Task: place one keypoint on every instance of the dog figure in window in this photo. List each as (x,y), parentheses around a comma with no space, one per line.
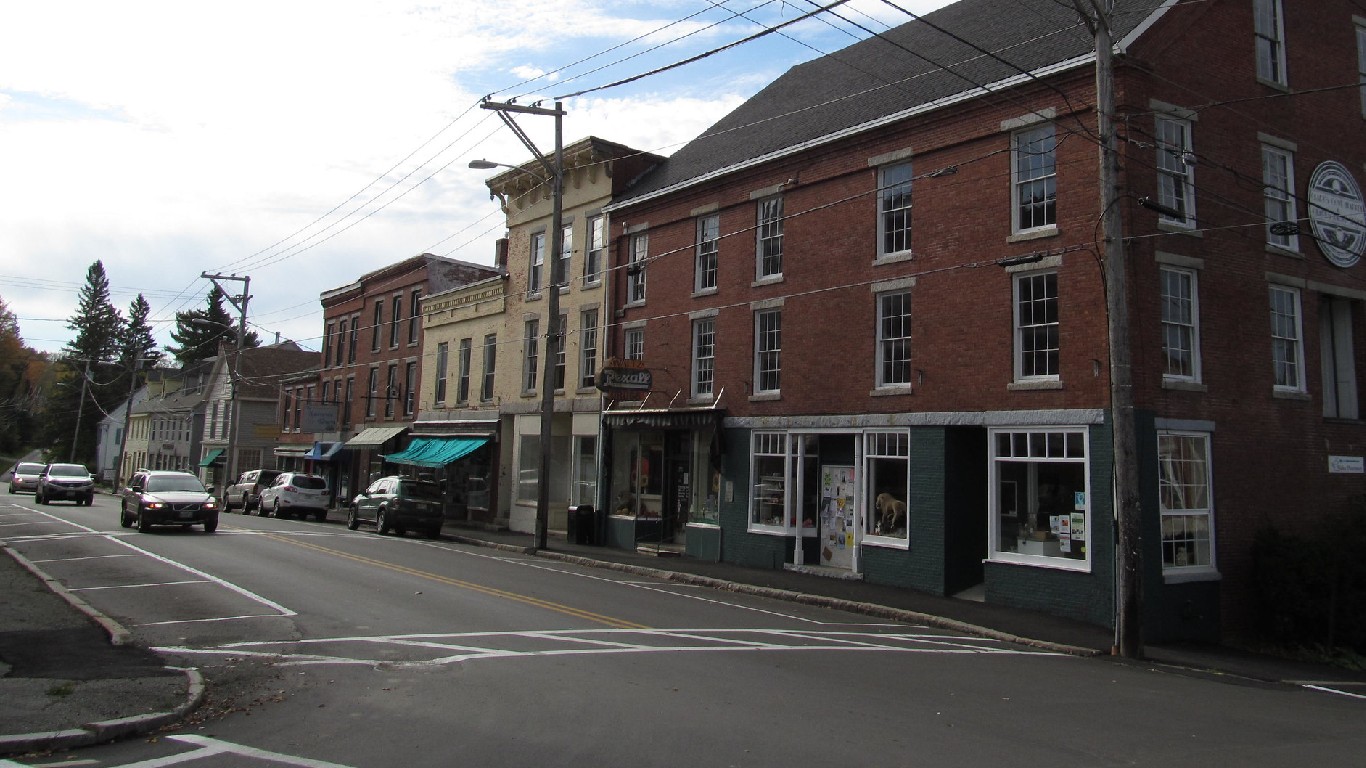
(891,513)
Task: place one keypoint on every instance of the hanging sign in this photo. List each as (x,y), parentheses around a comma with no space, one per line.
(625,378)
(1337,214)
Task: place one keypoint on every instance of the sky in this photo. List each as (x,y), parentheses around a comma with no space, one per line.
(304,143)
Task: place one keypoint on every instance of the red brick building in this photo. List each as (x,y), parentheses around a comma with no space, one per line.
(871,304)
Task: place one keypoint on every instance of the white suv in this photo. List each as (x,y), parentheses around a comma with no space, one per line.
(295,493)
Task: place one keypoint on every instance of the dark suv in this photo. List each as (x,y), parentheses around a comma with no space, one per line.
(246,492)
(398,504)
(71,482)
(167,498)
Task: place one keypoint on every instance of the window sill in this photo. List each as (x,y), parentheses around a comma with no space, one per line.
(1033,234)
(770,280)
(892,391)
(768,530)
(633,304)
(705,292)
(1172,227)
(1290,394)
(761,397)
(1279,250)
(892,258)
(1034,385)
(532,296)
(1189,575)
(1184,385)
(1039,561)
(1282,87)
(706,399)
(887,542)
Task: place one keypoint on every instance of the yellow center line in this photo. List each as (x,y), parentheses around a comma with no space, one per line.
(532,601)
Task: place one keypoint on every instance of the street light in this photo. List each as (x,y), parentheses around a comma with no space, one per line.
(555,172)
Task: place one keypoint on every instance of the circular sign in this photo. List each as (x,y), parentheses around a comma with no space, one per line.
(1337,214)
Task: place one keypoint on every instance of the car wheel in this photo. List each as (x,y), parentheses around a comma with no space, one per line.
(434,532)
(382,521)
(210,523)
(90,500)
(352,518)
(277,512)
(124,520)
(11,489)
(320,515)
(144,525)
(246,508)
(38,497)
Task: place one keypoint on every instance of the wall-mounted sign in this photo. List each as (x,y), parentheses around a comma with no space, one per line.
(318,417)
(625,378)
(1346,465)
(1337,214)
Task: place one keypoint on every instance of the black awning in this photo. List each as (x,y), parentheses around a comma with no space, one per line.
(681,418)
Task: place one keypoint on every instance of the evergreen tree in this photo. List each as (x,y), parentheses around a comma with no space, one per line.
(137,348)
(199,331)
(90,357)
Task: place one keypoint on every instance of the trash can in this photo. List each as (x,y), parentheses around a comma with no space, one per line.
(581,524)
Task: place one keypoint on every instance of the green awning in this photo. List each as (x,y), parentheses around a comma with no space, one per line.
(436,451)
(211,457)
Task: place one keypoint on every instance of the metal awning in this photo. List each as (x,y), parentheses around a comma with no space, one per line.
(436,451)
(323,451)
(211,457)
(291,451)
(374,437)
(662,418)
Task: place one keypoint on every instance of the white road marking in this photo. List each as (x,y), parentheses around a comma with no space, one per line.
(139,586)
(76,559)
(1326,689)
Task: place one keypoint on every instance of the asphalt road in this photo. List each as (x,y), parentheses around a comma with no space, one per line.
(326,647)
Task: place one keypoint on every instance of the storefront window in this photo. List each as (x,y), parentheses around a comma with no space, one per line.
(768,474)
(1184,493)
(585,470)
(706,501)
(1041,501)
(886,457)
(528,468)
(638,474)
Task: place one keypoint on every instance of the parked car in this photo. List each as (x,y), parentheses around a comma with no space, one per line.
(296,493)
(246,492)
(72,482)
(161,497)
(25,477)
(398,504)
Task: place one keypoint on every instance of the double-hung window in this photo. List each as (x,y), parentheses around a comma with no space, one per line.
(561,276)
(894,209)
(346,404)
(409,388)
(708,253)
(355,339)
(395,319)
(377,328)
(894,338)
(1338,358)
(635,271)
(1287,351)
(1036,325)
(462,381)
(341,344)
(1269,34)
(1175,171)
(768,348)
(533,281)
(557,339)
(596,250)
(1185,500)
(328,345)
(490,366)
(703,356)
(1035,178)
(372,392)
(390,390)
(442,352)
(414,318)
(531,341)
(634,344)
(1361,63)
(1180,325)
(769,251)
(588,348)
(1278,190)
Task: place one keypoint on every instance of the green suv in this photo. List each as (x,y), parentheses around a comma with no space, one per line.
(398,504)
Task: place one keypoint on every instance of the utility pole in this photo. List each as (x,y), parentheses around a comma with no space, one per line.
(127,415)
(1129,590)
(239,303)
(554,335)
(80,410)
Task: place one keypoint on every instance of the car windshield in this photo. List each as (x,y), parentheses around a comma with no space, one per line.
(308,482)
(418,490)
(175,483)
(67,470)
(29,469)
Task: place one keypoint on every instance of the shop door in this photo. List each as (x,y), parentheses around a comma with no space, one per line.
(677,498)
(838,521)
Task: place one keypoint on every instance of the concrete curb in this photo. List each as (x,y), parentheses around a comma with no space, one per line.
(866,609)
(118,635)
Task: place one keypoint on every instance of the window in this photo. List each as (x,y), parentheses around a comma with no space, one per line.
(556,338)
(1270,38)
(1035,179)
(327,391)
(768,468)
(894,209)
(298,411)
(597,248)
(635,343)
(390,390)
(409,388)
(768,347)
(703,356)
(708,245)
(1287,354)
(442,352)
(346,404)
(588,348)
(462,386)
(635,271)
(1180,325)
(1176,170)
(530,342)
(355,339)
(1339,360)
(394,320)
(1184,498)
(327,344)
(887,462)
(1041,505)
(1278,187)
(533,281)
(585,470)
(414,318)
(894,339)
(341,344)
(372,392)
(528,468)
(288,408)
(561,276)
(769,254)
(379,323)
(1361,64)
(490,362)
(1036,326)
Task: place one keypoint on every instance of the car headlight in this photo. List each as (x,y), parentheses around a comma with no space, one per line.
(210,504)
(154,505)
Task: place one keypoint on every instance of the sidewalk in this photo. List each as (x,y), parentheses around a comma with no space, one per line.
(70,678)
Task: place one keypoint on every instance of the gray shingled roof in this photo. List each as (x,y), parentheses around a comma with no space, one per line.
(876,78)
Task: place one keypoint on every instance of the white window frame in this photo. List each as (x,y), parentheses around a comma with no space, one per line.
(890,346)
(1269,36)
(633,344)
(442,355)
(1027,329)
(1287,339)
(894,210)
(703,356)
(588,348)
(707,262)
(1176,170)
(531,346)
(536,264)
(768,351)
(596,249)
(1180,319)
(1278,189)
(994,552)
(560,275)
(768,238)
(557,338)
(769,445)
(635,271)
(1025,176)
(1176,508)
(463,367)
(885,445)
(1337,357)
(486,389)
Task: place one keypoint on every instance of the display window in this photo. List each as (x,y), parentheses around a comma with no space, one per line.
(1185,499)
(768,500)
(706,500)
(1040,497)
(886,459)
(638,474)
